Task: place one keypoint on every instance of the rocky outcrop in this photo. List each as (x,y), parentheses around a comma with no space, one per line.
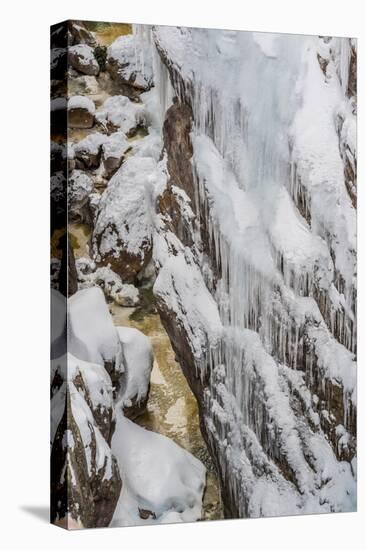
(86,482)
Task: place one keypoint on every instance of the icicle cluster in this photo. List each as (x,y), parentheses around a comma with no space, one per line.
(281,243)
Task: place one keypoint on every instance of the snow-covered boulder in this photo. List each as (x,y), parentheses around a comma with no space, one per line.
(81,58)
(123,294)
(122,232)
(92,336)
(86,481)
(113,150)
(95,147)
(81,111)
(138,354)
(87,152)
(129,61)
(162,483)
(80,185)
(120,113)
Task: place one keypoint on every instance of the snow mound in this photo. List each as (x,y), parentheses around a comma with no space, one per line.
(81,102)
(161,481)
(120,112)
(138,354)
(92,336)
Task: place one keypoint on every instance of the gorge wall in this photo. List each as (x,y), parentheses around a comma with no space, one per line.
(215,170)
(255,249)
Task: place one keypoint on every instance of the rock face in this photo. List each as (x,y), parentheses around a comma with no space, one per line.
(84,469)
(256,262)
(81,58)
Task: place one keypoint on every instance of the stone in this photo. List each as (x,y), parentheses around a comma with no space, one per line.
(81,58)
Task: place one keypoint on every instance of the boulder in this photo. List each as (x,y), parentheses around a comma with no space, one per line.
(81,111)
(113,150)
(132,71)
(89,275)
(86,481)
(120,113)
(81,58)
(79,34)
(122,232)
(80,185)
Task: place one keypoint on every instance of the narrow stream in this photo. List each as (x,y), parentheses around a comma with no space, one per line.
(172,408)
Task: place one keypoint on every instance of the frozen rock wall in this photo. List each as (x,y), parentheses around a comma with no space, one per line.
(255,245)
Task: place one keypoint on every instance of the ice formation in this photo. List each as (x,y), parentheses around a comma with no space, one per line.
(274,247)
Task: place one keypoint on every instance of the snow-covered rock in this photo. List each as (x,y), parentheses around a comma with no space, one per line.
(80,111)
(86,482)
(162,483)
(130,65)
(87,152)
(80,185)
(119,112)
(92,336)
(122,232)
(89,275)
(113,150)
(138,354)
(81,57)
(95,147)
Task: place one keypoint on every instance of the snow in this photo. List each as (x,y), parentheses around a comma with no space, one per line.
(88,276)
(121,112)
(134,62)
(80,185)
(91,334)
(85,55)
(125,207)
(320,167)
(265,138)
(98,385)
(96,380)
(90,145)
(81,102)
(115,146)
(157,475)
(138,354)
(180,283)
